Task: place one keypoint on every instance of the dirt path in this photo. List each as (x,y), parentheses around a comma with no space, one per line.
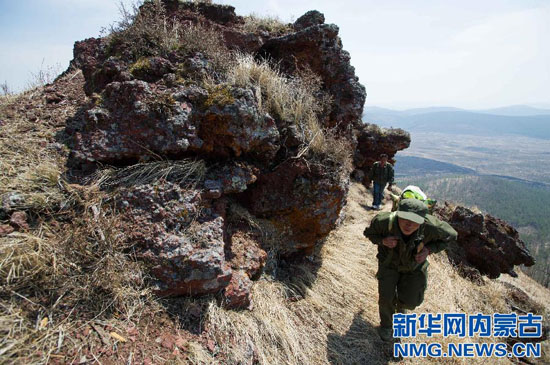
(328,313)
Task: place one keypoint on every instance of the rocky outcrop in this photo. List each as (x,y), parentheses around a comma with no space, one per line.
(180,235)
(485,246)
(309,19)
(372,141)
(177,104)
(317,47)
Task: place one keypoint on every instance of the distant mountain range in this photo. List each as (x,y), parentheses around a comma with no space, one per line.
(418,166)
(513,120)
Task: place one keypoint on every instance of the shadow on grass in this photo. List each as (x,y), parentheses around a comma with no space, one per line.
(359,345)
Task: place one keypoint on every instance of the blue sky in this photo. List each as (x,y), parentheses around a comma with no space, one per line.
(469,54)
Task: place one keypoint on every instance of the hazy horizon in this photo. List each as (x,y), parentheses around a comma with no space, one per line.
(408,54)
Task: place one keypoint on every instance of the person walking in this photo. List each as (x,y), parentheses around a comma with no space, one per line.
(380,174)
(405,238)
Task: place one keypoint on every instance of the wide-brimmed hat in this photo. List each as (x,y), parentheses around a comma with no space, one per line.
(412,210)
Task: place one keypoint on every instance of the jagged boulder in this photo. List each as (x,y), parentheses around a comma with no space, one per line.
(237,293)
(319,49)
(304,200)
(309,19)
(244,251)
(373,141)
(217,13)
(135,119)
(221,18)
(485,244)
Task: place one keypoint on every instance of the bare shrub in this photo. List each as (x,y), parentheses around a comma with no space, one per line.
(45,75)
(5,89)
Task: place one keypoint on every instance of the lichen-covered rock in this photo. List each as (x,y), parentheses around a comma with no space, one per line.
(372,141)
(134,120)
(303,200)
(230,179)
(131,122)
(181,237)
(236,294)
(10,202)
(232,125)
(311,18)
(484,242)
(177,103)
(319,49)
(151,69)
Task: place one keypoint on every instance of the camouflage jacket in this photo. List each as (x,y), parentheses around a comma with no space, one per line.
(434,234)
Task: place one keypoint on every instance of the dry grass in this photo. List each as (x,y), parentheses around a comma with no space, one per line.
(334,321)
(272,24)
(184,172)
(27,168)
(289,99)
(150,32)
(73,265)
(70,274)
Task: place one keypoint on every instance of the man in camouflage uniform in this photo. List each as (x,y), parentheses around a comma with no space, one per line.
(380,174)
(405,238)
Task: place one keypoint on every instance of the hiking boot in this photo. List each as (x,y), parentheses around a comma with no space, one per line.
(385,333)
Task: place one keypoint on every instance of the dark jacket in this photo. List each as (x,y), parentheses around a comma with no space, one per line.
(381,174)
(435,234)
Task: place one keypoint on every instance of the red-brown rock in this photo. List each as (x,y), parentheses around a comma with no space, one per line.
(486,243)
(18,221)
(372,141)
(303,200)
(181,237)
(237,293)
(245,253)
(5,229)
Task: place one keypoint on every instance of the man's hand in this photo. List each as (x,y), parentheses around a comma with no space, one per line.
(421,256)
(390,241)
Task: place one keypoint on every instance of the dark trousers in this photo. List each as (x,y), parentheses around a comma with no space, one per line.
(377,193)
(399,290)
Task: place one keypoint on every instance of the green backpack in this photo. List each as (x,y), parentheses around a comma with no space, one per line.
(412,194)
